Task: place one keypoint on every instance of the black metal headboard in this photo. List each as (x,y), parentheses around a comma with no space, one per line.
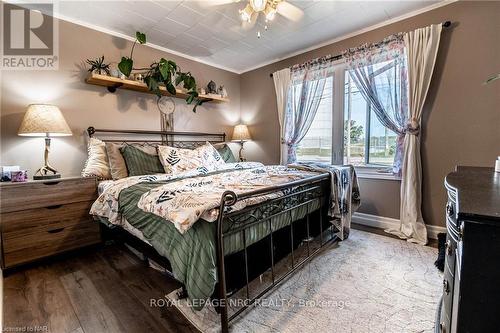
(172,138)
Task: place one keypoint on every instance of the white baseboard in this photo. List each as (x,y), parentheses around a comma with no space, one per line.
(382,222)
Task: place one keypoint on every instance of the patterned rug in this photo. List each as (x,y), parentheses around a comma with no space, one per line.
(367,283)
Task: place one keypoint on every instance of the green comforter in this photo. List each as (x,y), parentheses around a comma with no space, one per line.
(193,254)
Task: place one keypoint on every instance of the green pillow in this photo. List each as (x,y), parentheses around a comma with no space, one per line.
(226,154)
(140,163)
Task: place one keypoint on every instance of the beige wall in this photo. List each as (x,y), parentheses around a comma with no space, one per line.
(461,122)
(461,118)
(84,105)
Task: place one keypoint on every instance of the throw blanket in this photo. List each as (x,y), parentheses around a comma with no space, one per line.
(344,197)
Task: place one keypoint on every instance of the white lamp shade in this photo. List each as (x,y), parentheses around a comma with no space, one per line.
(43,120)
(241,133)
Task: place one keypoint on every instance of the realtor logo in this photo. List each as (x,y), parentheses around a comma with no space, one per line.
(29,36)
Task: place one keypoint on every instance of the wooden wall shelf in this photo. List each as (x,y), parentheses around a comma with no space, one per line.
(112,83)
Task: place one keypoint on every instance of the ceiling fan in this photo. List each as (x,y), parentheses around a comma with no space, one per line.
(268,8)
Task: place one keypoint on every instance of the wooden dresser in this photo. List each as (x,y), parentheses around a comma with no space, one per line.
(43,218)
(471,285)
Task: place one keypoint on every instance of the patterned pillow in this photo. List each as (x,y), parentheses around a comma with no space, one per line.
(139,162)
(176,160)
(97,164)
(226,153)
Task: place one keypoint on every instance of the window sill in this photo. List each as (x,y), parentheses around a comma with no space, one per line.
(373,173)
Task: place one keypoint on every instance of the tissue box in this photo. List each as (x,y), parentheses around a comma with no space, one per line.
(5,172)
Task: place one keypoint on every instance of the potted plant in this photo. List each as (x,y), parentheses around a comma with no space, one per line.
(98,66)
(163,72)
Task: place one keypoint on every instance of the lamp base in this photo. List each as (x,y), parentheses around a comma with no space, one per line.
(46,172)
(46,177)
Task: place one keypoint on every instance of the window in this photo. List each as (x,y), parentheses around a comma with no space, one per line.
(366,141)
(317,144)
(345,128)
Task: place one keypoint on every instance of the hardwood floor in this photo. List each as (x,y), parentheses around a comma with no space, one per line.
(107,290)
(104,290)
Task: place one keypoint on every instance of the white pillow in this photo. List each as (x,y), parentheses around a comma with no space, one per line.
(176,160)
(97,164)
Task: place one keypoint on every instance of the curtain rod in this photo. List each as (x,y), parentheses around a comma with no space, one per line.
(445,24)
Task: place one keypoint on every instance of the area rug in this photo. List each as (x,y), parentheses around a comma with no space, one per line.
(367,283)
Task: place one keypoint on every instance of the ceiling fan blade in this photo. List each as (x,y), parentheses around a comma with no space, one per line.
(289,11)
(248,25)
(213,3)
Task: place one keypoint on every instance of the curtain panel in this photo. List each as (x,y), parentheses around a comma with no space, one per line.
(371,67)
(304,96)
(422,47)
(398,105)
(282,81)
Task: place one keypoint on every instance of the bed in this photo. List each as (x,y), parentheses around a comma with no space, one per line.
(217,231)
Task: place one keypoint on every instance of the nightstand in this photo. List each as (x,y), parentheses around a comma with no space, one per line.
(43,218)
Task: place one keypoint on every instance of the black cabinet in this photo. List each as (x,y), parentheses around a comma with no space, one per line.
(471,280)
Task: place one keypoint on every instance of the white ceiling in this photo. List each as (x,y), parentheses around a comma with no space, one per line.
(213,33)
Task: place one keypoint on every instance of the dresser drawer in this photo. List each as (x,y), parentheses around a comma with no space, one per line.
(449,251)
(32,221)
(448,282)
(34,242)
(36,194)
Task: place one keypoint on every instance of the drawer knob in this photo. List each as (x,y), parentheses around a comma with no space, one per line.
(449,209)
(446,287)
(448,247)
(55,231)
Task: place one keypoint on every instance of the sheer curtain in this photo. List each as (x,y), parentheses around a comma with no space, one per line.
(379,73)
(304,97)
(282,81)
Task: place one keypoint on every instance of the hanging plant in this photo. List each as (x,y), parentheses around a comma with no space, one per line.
(164,72)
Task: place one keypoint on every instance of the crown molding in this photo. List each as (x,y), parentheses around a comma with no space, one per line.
(353,34)
(236,71)
(154,46)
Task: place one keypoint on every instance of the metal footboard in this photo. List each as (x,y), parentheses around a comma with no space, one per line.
(291,196)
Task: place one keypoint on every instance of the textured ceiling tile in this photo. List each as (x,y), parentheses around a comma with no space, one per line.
(185,15)
(214,32)
(170,26)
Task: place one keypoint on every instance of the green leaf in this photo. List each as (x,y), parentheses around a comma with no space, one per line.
(125,66)
(152,83)
(491,79)
(179,78)
(190,99)
(198,102)
(173,65)
(141,37)
(164,69)
(170,88)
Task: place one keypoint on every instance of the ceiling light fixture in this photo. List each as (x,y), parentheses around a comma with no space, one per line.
(246,13)
(258,5)
(270,12)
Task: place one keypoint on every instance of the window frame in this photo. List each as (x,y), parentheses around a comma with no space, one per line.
(372,171)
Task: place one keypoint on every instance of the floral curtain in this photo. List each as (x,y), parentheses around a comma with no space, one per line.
(379,72)
(304,97)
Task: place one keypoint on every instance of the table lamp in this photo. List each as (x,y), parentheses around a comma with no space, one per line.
(47,121)
(241,134)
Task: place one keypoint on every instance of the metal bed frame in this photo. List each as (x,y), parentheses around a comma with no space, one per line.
(292,195)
